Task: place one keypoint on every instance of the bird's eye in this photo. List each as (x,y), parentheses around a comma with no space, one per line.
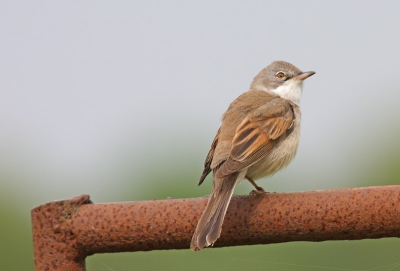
(280,75)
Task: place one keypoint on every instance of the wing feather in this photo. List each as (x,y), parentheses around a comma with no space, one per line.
(209,158)
(257,135)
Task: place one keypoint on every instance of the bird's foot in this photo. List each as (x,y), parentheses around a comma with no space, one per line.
(259,191)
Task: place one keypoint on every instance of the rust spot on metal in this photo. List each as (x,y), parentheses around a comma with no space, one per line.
(54,241)
(65,232)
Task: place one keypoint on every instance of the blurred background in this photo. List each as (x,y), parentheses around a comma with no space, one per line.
(121,100)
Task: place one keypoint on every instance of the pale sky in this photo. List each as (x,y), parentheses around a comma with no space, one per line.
(90,89)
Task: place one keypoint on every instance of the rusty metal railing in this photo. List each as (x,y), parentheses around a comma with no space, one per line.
(66,232)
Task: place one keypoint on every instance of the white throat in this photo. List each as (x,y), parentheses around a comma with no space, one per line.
(291,90)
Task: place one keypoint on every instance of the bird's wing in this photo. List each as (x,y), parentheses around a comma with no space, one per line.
(209,158)
(257,135)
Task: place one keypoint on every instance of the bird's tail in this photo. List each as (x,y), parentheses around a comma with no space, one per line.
(209,226)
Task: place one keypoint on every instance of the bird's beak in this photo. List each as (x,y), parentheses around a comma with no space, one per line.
(303,76)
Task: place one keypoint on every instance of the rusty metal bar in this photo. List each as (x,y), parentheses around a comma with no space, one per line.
(65,232)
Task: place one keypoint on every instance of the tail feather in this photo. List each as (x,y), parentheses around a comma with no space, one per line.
(209,226)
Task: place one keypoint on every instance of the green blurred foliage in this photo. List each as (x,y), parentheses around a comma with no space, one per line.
(179,181)
(333,255)
(16,252)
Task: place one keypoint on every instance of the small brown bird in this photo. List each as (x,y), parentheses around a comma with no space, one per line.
(259,136)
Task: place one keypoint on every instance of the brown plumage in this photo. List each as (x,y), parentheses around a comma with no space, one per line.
(258,136)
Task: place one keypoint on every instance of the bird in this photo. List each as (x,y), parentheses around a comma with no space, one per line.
(259,136)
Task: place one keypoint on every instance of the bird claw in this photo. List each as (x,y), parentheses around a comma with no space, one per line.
(258,192)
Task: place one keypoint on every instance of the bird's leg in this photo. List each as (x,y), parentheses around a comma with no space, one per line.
(259,190)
